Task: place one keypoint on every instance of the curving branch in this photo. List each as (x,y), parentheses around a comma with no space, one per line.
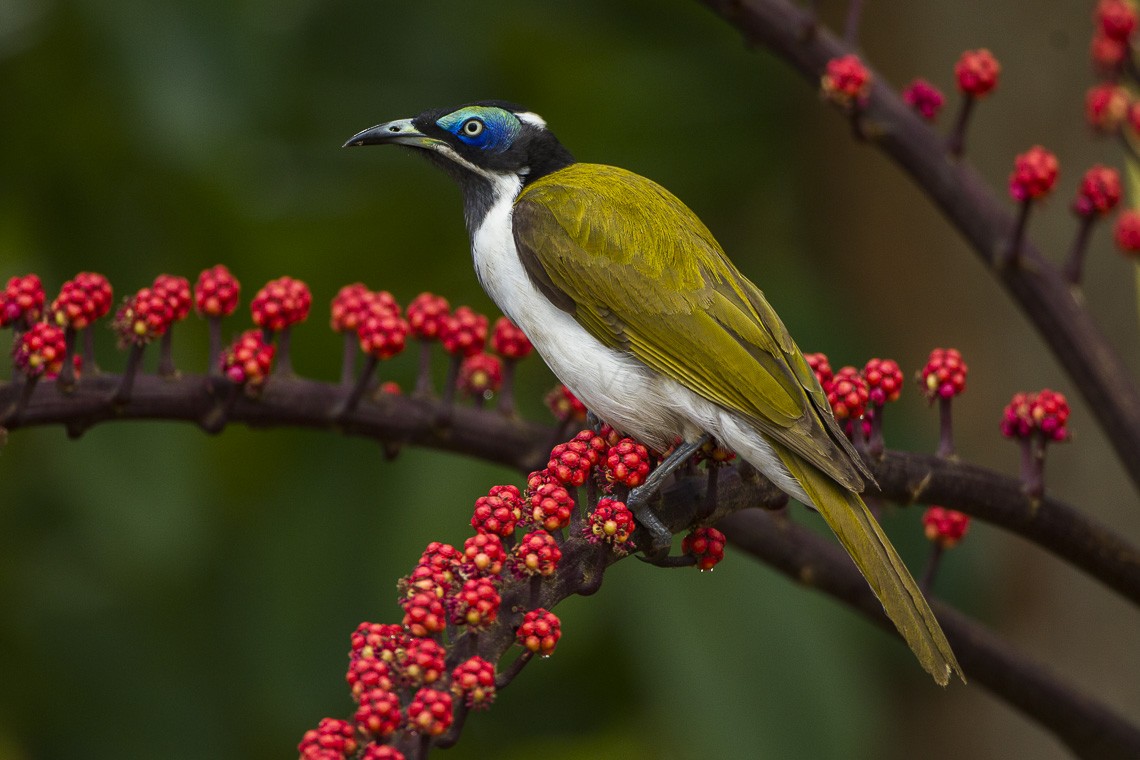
(1089,728)
(986,223)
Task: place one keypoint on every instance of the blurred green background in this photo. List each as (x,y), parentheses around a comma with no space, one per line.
(166,594)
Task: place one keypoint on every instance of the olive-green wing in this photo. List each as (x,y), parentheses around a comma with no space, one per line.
(641,273)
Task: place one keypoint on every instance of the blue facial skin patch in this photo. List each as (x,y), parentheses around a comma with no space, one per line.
(499,127)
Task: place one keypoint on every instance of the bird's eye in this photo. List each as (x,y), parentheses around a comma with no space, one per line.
(472,127)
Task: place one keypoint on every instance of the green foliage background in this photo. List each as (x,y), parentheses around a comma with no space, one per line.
(165,594)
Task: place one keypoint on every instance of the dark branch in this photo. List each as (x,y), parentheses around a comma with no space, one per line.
(1089,728)
(971,206)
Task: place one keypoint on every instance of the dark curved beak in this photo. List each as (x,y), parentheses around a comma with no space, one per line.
(399,132)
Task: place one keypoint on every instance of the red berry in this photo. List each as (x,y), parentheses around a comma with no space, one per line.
(464,332)
(216,292)
(22,301)
(430,712)
(428,579)
(1107,54)
(281,303)
(846,81)
(1050,412)
(421,662)
(1116,19)
(367,673)
(537,554)
(1106,107)
(944,375)
(382,334)
(976,72)
(349,307)
(706,545)
(481,375)
(424,614)
(81,301)
(1099,192)
(484,554)
(473,681)
(884,379)
(924,98)
(945,527)
(143,317)
(628,463)
(379,713)
(1034,174)
(40,351)
(565,405)
(509,341)
(498,512)
(539,632)
(549,504)
(381,752)
(248,359)
(848,394)
(822,369)
(332,738)
(426,314)
(611,521)
(477,604)
(443,557)
(176,290)
(1126,233)
(378,640)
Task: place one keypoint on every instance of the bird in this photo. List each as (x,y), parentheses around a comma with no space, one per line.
(636,308)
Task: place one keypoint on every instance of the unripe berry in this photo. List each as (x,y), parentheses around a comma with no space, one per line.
(379,713)
(537,554)
(706,545)
(473,681)
(248,359)
(498,512)
(945,527)
(884,380)
(1034,174)
(944,375)
(40,351)
(281,303)
(484,554)
(846,81)
(1099,192)
(539,632)
(476,605)
(565,405)
(464,332)
(611,521)
(430,712)
(426,315)
(976,72)
(332,738)
(924,98)
(1126,232)
(848,394)
(22,301)
(628,463)
(176,291)
(480,375)
(509,341)
(216,292)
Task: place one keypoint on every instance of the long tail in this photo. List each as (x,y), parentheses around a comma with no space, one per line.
(860,534)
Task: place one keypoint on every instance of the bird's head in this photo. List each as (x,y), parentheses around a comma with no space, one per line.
(489,147)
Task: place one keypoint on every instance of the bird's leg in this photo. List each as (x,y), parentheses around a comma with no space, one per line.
(639,498)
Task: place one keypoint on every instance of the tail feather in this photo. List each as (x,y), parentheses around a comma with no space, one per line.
(863,538)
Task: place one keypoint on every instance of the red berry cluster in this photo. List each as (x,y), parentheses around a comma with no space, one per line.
(539,632)
(81,301)
(846,81)
(848,394)
(509,341)
(570,463)
(944,375)
(822,369)
(706,546)
(1045,413)
(924,98)
(537,554)
(1114,27)
(426,315)
(22,301)
(481,375)
(40,351)
(977,72)
(248,359)
(884,380)
(549,504)
(473,681)
(627,463)
(281,303)
(612,521)
(143,317)
(499,511)
(1126,234)
(464,332)
(380,328)
(565,405)
(216,292)
(176,291)
(945,527)
(1099,192)
(1106,107)
(1034,174)
(332,739)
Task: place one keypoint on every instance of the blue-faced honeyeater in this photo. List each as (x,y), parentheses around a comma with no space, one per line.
(634,306)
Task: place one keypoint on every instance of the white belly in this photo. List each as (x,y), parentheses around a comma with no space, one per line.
(612,384)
